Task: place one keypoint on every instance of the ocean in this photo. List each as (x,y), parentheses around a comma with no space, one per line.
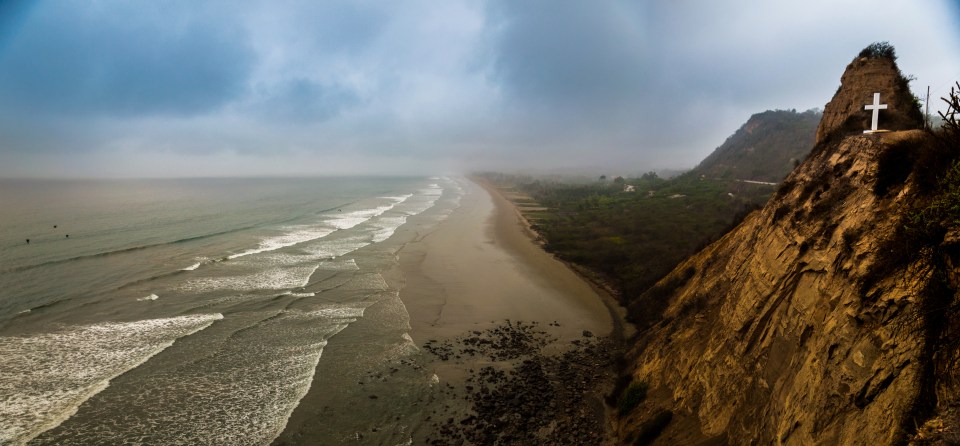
(198,311)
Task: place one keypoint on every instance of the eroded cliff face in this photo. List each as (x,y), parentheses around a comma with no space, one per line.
(845,115)
(797,327)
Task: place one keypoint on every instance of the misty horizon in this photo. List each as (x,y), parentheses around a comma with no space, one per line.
(304,89)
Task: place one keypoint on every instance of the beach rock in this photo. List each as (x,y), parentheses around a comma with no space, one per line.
(532,397)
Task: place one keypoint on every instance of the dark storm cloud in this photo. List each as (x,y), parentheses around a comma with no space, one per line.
(222,87)
(122,59)
(569,53)
(661,83)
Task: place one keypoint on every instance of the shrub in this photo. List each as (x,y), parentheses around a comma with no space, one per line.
(877,50)
(943,212)
(635,393)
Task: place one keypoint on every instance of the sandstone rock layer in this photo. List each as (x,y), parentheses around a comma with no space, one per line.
(796,327)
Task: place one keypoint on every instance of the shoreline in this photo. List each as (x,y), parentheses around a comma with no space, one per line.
(479,266)
(622,329)
(510,343)
(480,278)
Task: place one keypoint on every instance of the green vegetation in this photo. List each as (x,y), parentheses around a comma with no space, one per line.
(878,50)
(935,163)
(929,236)
(943,211)
(634,394)
(633,231)
(766,148)
(635,238)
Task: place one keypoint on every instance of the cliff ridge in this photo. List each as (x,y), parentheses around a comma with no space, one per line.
(817,320)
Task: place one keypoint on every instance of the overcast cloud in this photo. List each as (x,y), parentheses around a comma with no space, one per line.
(183,88)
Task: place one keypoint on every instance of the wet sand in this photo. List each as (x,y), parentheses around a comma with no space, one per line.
(513,346)
(481,266)
(525,350)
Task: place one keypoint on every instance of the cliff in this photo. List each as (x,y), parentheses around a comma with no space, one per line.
(827,317)
(766,148)
(865,75)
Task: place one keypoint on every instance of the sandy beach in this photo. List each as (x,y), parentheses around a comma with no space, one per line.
(504,331)
(480,266)
(552,363)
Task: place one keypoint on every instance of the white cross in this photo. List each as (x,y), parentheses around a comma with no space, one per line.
(876,107)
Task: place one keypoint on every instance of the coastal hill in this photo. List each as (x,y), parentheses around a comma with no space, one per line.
(766,148)
(829,316)
(629,240)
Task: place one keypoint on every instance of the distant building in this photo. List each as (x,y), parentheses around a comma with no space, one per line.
(629,188)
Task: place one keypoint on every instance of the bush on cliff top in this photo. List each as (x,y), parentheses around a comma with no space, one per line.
(877,50)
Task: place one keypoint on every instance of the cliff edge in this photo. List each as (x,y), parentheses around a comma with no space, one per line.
(873,71)
(826,317)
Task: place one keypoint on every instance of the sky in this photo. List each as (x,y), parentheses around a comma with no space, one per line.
(179,88)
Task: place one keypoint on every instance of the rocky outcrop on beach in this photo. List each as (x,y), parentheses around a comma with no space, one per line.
(520,393)
(830,315)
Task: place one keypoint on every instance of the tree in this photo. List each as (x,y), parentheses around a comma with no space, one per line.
(603,178)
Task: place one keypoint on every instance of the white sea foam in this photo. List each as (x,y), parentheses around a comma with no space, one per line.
(340,265)
(331,249)
(350,312)
(45,377)
(399,198)
(192,267)
(294,235)
(386,227)
(278,278)
(433,189)
(421,206)
(291,293)
(242,393)
(298,234)
(348,220)
(150,297)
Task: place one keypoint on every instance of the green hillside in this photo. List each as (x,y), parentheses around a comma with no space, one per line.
(632,239)
(766,148)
